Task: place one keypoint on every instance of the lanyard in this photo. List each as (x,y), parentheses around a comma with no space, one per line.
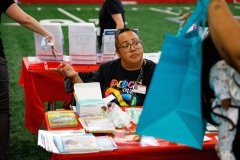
(139,81)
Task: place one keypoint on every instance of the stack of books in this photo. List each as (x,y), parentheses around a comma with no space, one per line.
(67,142)
(97,125)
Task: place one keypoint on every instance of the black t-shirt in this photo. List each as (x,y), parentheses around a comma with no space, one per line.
(109,8)
(4,4)
(120,82)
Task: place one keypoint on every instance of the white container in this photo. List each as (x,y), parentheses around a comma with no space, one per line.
(82,41)
(56,30)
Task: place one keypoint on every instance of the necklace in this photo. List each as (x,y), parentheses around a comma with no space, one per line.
(139,80)
(140,76)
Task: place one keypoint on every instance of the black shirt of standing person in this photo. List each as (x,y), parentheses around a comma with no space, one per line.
(109,8)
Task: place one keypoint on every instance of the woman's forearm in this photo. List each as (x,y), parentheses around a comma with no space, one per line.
(225,32)
(76,79)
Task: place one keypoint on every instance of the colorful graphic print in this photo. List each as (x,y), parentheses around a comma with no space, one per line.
(122,90)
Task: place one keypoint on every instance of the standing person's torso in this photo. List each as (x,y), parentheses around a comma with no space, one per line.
(110,7)
(4,4)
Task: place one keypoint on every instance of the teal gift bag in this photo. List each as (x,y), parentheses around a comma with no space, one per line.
(172,107)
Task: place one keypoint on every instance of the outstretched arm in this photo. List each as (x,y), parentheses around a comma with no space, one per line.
(68,71)
(118,20)
(225,32)
(18,15)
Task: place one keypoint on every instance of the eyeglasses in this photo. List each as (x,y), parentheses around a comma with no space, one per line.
(127,46)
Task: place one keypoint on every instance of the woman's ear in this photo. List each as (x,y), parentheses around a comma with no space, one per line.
(117,52)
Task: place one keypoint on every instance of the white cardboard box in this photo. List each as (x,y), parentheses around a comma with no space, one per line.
(82,38)
(88,98)
(46,55)
(82,43)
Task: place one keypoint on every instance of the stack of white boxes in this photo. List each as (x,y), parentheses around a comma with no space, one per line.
(108,44)
(82,43)
(47,55)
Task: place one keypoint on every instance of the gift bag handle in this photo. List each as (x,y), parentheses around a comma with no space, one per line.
(199,14)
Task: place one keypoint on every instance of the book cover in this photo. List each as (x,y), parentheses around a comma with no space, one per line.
(97,125)
(83,143)
(46,140)
(106,143)
(62,119)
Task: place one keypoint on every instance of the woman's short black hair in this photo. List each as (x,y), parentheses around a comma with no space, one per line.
(120,31)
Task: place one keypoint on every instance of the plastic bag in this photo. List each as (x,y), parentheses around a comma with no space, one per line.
(120,118)
(134,114)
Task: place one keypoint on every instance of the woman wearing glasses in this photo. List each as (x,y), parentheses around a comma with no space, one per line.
(128,77)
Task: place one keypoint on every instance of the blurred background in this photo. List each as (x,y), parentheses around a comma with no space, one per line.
(153,19)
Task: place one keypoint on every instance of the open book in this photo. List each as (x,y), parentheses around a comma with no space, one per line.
(97,125)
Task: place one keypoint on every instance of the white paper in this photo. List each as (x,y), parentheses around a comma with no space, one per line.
(155,57)
(148,141)
(206,138)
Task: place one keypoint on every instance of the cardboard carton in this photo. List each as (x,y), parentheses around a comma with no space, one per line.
(88,98)
(46,55)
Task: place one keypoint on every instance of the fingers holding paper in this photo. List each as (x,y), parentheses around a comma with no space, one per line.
(49,41)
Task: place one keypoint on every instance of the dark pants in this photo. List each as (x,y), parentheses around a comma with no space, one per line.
(4,110)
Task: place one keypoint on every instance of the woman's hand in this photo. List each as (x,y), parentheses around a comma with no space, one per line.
(184,17)
(51,39)
(65,70)
(226,103)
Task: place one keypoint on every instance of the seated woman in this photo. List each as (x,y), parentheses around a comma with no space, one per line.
(127,78)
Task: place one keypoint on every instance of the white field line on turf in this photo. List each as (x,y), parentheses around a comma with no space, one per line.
(129,2)
(60,10)
(134,8)
(165,11)
(70,15)
(11,24)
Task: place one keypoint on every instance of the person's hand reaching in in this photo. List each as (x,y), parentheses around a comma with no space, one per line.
(184,17)
(65,70)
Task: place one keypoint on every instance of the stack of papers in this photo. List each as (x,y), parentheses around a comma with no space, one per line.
(108,44)
(67,142)
(211,128)
(82,43)
(97,125)
(47,55)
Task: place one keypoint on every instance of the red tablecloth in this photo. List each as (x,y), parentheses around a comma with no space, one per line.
(41,86)
(166,151)
(134,151)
